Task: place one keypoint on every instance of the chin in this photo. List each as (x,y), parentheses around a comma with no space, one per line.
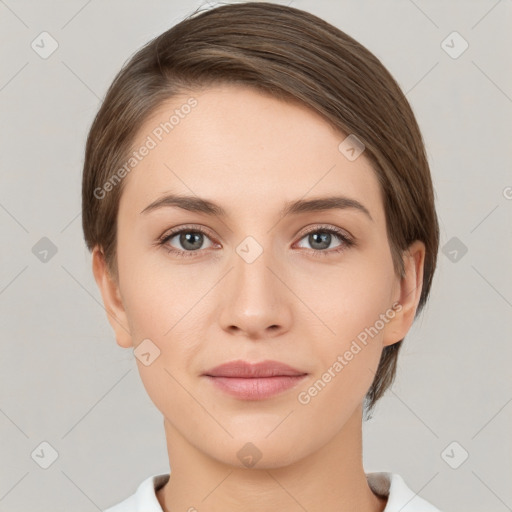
(258,452)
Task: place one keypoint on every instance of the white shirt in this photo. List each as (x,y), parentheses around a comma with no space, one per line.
(392,485)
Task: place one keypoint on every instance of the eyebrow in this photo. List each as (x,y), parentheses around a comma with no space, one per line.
(199,205)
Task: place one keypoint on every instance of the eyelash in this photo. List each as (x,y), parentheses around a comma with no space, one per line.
(346,241)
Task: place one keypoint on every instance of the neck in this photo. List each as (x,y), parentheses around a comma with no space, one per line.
(329,479)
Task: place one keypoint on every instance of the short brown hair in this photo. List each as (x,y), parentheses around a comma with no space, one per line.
(291,55)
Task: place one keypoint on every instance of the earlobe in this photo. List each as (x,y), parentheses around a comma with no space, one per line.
(408,295)
(110,293)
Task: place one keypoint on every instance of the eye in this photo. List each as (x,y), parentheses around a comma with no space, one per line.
(320,238)
(188,239)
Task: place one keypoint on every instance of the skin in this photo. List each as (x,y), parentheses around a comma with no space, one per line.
(250,153)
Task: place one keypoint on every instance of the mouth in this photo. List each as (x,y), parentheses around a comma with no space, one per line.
(254,381)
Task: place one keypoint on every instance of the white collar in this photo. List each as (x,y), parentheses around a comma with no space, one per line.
(390,485)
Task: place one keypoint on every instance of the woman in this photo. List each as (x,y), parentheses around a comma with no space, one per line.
(260,212)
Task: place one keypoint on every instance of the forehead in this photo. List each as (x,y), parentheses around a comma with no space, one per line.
(243,148)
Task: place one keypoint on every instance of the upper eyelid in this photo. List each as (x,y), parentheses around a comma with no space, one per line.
(330,227)
(173,232)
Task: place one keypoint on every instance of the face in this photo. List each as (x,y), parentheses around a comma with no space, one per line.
(313,288)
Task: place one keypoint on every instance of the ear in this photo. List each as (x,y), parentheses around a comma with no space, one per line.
(408,295)
(114,307)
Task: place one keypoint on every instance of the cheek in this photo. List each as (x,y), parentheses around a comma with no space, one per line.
(164,311)
(166,318)
(348,361)
(169,309)
(156,293)
(354,299)
(358,310)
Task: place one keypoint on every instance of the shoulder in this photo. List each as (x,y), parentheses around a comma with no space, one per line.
(144,499)
(400,496)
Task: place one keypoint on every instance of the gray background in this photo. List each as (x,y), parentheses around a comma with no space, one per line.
(65,381)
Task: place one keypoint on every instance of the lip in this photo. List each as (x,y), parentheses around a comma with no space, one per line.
(254,381)
(245,369)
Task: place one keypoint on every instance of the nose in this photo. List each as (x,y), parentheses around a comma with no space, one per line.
(255,300)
